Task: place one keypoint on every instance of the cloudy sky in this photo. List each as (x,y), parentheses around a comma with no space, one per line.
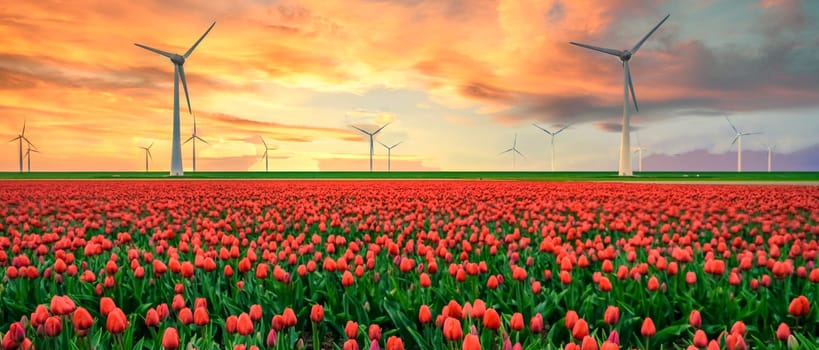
(457,80)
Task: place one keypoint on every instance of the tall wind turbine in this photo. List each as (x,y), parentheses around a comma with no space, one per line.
(389,153)
(625,56)
(20,138)
(147,155)
(514,150)
(29,150)
(178,73)
(639,150)
(552,135)
(371,134)
(193,138)
(265,155)
(738,141)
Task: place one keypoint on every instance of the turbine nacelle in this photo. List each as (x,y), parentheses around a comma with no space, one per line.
(178,59)
(625,55)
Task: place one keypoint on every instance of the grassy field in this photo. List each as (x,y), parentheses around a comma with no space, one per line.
(469,175)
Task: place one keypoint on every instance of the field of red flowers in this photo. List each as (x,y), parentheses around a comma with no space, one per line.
(407,265)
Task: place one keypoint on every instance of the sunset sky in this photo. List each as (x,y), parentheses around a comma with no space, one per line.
(457,79)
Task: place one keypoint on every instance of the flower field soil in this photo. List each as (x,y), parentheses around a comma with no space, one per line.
(407,265)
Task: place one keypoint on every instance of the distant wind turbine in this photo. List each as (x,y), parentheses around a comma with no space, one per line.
(738,141)
(265,155)
(770,148)
(552,135)
(147,155)
(371,134)
(28,154)
(639,150)
(514,150)
(20,138)
(625,134)
(389,153)
(178,73)
(193,138)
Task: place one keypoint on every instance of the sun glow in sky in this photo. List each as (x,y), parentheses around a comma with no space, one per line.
(457,80)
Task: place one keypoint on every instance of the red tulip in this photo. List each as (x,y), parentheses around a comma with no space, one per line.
(185,316)
(588,343)
(255,312)
(800,306)
(232,323)
(571,319)
(536,323)
(82,320)
(374,332)
(317,313)
(452,329)
(62,305)
(53,326)
(200,317)
(350,344)
(424,314)
(647,329)
(694,319)
(107,305)
(783,332)
(471,342)
(580,329)
(351,329)
(394,343)
(170,339)
(700,339)
(491,319)
(516,322)
(244,325)
(116,322)
(612,315)
(152,318)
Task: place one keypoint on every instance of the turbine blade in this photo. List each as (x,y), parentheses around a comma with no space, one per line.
(506,151)
(15,139)
(544,130)
(149,154)
(631,86)
(735,139)
(382,144)
(27,141)
(396,145)
(600,49)
(360,129)
(265,143)
(563,128)
(732,125)
(190,51)
(24,128)
(515,142)
(637,47)
(379,129)
(518,152)
(188,140)
(753,133)
(201,139)
(149,147)
(163,53)
(185,85)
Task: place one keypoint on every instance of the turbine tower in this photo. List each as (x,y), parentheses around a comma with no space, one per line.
(178,74)
(29,150)
(147,155)
(265,155)
(371,134)
(738,141)
(514,150)
(625,56)
(193,138)
(552,140)
(389,153)
(639,150)
(770,148)
(20,138)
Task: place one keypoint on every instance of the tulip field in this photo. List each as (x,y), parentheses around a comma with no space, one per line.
(422,264)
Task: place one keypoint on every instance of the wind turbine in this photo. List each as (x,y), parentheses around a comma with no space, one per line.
(625,56)
(20,138)
(147,155)
(514,149)
(266,148)
(371,134)
(639,150)
(193,138)
(28,154)
(389,153)
(738,141)
(552,135)
(770,148)
(178,73)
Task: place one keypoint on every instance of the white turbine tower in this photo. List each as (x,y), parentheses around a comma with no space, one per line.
(625,56)
(178,73)
(738,141)
(29,150)
(639,150)
(20,138)
(552,141)
(147,155)
(389,153)
(371,134)
(266,155)
(193,138)
(514,150)
(770,148)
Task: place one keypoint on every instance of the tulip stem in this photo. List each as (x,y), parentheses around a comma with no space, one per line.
(315,336)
